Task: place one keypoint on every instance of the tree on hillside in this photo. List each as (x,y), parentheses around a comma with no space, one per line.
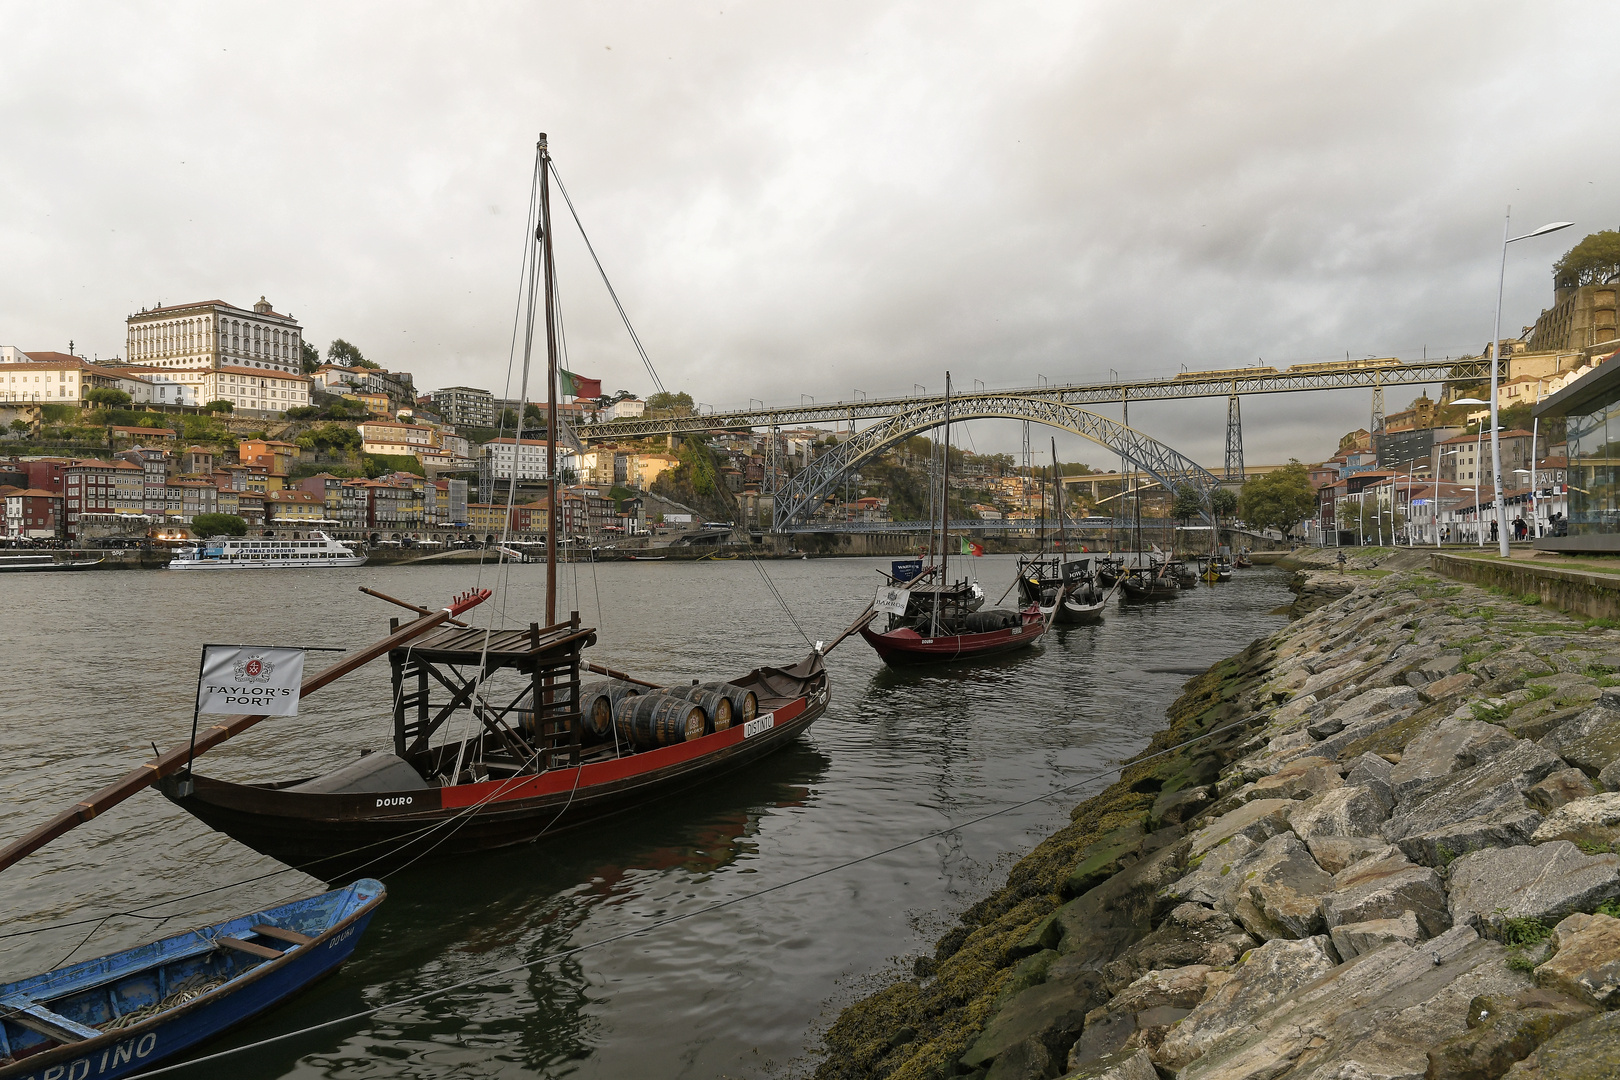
(665,401)
(1222,502)
(1278,500)
(1593,261)
(108,398)
(219,406)
(311,358)
(343,354)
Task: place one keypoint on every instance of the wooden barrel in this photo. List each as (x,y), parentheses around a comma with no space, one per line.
(597,703)
(716,705)
(652,720)
(744,702)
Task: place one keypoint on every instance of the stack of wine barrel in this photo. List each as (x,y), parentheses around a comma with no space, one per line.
(647,718)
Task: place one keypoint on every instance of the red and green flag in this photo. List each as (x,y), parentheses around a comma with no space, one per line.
(970,548)
(578,386)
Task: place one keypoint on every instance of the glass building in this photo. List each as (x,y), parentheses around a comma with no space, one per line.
(1590,409)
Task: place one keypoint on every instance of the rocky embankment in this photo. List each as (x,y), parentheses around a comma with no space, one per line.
(1376,844)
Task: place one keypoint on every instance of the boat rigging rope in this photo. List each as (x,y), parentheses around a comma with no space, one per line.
(611,293)
(771,585)
(707,909)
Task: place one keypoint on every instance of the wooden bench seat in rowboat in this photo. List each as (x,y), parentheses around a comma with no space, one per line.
(37,1018)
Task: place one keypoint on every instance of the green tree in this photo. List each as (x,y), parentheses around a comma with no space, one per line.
(509,419)
(533,416)
(1222,502)
(1189,503)
(218,525)
(108,398)
(219,405)
(343,354)
(665,402)
(1278,500)
(21,426)
(1593,261)
(310,358)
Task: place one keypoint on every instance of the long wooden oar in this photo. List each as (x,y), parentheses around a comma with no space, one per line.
(174,760)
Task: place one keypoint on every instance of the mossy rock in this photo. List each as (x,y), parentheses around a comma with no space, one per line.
(1105,858)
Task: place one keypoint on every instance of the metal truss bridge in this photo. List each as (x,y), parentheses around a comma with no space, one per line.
(1234,383)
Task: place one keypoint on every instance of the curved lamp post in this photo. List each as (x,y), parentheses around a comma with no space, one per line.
(1496,349)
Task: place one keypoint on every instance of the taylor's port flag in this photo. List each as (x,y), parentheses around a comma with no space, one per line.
(578,385)
(970,548)
(249,679)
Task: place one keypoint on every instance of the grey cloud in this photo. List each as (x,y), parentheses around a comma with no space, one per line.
(813,198)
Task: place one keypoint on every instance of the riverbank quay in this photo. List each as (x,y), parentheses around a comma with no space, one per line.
(1377,843)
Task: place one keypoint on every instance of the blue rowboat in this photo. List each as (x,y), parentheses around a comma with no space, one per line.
(122,1013)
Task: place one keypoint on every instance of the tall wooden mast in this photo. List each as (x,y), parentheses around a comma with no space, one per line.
(552,509)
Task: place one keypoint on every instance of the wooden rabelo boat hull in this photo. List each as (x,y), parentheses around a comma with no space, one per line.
(336,837)
(1071,613)
(108,1014)
(906,646)
(1157,588)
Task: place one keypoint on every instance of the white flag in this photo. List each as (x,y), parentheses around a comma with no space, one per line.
(892,600)
(243,679)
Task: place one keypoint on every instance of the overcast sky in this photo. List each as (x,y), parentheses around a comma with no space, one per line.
(813,198)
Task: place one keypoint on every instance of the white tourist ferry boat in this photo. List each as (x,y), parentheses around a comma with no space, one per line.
(242,553)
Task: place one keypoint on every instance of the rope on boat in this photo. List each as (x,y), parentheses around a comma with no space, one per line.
(708,909)
(182,992)
(769,584)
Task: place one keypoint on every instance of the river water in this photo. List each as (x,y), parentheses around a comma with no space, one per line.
(95,667)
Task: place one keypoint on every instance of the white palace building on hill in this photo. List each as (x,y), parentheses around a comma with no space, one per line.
(214,351)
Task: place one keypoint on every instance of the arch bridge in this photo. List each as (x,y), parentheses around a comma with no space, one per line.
(807,491)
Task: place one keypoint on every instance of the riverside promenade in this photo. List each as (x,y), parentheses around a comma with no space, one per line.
(1378,843)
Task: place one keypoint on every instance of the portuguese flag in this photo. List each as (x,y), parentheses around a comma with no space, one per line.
(577,386)
(970,548)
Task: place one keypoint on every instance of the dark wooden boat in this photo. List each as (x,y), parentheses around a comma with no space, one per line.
(1065,590)
(941,621)
(126,1012)
(35,564)
(524,778)
(1153,581)
(1242,561)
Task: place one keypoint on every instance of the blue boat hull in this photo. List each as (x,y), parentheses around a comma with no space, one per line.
(133,976)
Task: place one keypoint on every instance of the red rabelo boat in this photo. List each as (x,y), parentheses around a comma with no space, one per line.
(939,621)
(496,739)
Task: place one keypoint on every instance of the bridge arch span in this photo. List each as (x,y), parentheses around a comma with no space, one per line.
(810,488)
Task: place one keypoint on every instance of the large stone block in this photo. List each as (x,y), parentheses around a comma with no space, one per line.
(1258,821)
(1442,750)
(1476,807)
(1386,889)
(1373,773)
(1353,939)
(1503,1030)
(1343,811)
(1281,891)
(1190,934)
(1129,1065)
(1559,789)
(1588,1050)
(1266,978)
(1052,1013)
(1543,881)
(1590,742)
(1156,1000)
(1336,853)
(1587,963)
(1593,820)
(1375,1016)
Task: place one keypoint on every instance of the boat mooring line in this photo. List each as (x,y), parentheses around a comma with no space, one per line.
(718,905)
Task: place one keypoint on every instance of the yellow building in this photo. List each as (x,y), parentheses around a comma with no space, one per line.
(291,505)
(487,517)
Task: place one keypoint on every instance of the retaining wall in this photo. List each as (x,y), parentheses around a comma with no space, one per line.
(1594,596)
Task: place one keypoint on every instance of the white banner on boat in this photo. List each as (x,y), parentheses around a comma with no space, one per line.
(892,600)
(245,679)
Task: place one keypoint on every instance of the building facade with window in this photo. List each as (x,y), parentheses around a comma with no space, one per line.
(212,334)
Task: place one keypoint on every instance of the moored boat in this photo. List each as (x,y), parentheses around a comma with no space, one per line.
(242,553)
(41,562)
(942,622)
(126,1012)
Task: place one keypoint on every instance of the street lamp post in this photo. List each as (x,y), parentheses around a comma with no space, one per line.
(1496,349)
